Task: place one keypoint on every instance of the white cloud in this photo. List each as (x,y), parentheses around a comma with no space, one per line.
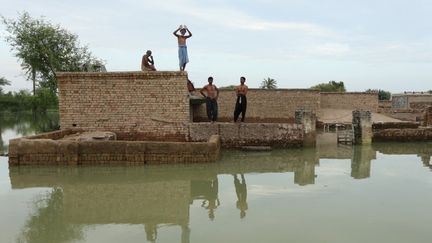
(233,18)
(330,49)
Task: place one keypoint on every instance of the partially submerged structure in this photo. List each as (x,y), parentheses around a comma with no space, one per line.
(149,117)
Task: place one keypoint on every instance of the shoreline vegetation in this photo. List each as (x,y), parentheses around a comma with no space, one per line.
(23,100)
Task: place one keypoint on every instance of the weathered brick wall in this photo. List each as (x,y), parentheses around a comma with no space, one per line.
(427,118)
(384,106)
(403,135)
(152,104)
(398,125)
(400,102)
(419,101)
(411,101)
(350,101)
(246,134)
(265,105)
(45,151)
(420,105)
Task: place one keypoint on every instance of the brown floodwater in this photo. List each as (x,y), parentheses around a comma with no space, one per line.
(379,193)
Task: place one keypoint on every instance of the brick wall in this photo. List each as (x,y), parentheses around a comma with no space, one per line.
(34,150)
(152,104)
(403,135)
(427,118)
(400,102)
(264,105)
(420,101)
(411,101)
(350,101)
(247,134)
(385,106)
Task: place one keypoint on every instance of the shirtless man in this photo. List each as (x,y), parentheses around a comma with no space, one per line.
(181,39)
(241,103)
(147,63)
(211,94)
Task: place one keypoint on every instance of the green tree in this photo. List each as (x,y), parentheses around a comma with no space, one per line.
(3,82)
(44,49)
(268,83)
(382,94)
(331,86)
(44,100)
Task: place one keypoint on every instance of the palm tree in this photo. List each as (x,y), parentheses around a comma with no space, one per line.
(268,83)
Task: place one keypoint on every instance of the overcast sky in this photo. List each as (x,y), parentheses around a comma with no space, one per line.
(366,44)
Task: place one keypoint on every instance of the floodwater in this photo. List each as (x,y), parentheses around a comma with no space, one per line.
(379,193)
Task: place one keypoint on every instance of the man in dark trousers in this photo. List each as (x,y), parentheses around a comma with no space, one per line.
(241,191)
(211,94)
(241,103)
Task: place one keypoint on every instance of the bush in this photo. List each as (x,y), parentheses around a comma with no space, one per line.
(382,94)
(331,86)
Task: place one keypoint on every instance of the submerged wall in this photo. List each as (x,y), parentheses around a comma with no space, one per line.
(403,134)
(250,134)
(50,149)
(151,105)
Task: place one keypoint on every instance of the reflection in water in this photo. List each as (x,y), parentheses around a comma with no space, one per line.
(422,150)
(151,232)
(212,202)
(156,196)
(361,161)
(27,123)
(426,159)
(48,224)
(305,173)
(207,190)
(2,145)
(361,156)
(241,191)
(86,196)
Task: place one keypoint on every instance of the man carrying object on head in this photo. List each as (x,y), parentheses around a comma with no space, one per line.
(182,52)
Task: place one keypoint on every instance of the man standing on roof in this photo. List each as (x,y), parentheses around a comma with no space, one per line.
(181,38)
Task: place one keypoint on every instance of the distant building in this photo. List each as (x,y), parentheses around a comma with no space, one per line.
(411,100)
